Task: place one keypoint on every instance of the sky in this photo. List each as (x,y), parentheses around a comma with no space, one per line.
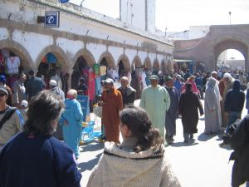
(178,15)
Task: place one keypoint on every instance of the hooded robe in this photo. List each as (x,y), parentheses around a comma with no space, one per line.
(212,108)
(118,167)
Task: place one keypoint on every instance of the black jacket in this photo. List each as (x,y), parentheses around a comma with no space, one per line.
(128,95)
(240,144)
(235,98)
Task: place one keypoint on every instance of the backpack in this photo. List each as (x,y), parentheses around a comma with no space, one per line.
(7,115)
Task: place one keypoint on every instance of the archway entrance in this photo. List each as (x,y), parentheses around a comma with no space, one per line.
(12,63)
(80,72)
(107,67)
(156,67)
(230,47)
(233,61)
(123,66)
(136,76)
(147,64)
(53,67)
(164,67)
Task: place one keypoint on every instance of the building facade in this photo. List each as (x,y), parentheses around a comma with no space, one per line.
(84,37)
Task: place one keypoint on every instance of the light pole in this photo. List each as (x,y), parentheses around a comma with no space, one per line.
(230,17)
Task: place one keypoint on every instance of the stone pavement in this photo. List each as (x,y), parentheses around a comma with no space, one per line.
(200,164)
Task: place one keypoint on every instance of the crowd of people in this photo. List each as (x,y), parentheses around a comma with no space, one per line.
(32,115)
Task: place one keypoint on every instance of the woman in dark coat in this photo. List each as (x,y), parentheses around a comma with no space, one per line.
(34,157)
(240,144)
(188,108)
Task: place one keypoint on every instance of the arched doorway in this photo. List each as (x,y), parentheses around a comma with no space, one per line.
(123,66)
(147,64)
(52,65)
(230,46)
(80,71)
(107,66)
(84,62)
(164,67)
(156,67)
(14,59)
(136,76)
(12,63)
(233,61)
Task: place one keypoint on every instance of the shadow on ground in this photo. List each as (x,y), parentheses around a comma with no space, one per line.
(89,165)
(225,146)
(92,147)
(181,144)
(205,137)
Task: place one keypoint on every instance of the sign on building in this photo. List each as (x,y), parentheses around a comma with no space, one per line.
(52,19)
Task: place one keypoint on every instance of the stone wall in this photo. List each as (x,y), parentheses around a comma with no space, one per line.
(219,38)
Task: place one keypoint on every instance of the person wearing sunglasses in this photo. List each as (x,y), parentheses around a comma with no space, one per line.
(9,121)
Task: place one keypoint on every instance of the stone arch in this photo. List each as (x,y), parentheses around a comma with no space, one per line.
(164,66)
(82,59)
(147,63)
(107,56)
(17,48)
(87,55)
(136,63)
(156,65)
(231,44)
(126,64)
(62,58)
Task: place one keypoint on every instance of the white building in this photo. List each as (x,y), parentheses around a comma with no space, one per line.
(83,34)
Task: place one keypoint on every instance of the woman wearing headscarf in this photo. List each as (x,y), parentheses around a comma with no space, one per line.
(191,80)
(225,85)
(140,160)
(188,107)
(212,108)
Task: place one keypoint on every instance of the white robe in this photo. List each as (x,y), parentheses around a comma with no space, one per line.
(212,108)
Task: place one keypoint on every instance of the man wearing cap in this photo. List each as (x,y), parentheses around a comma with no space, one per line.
(156,101)
(128,93)
(55,89)
(172,113)
(3,83)
(112,103)
(11,125)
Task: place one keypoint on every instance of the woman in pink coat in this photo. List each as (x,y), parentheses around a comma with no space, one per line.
(191,80)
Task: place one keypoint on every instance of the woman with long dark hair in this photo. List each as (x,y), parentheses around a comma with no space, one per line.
(34,157)
(139,160)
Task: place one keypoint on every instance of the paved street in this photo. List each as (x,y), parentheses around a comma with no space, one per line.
(201,164)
